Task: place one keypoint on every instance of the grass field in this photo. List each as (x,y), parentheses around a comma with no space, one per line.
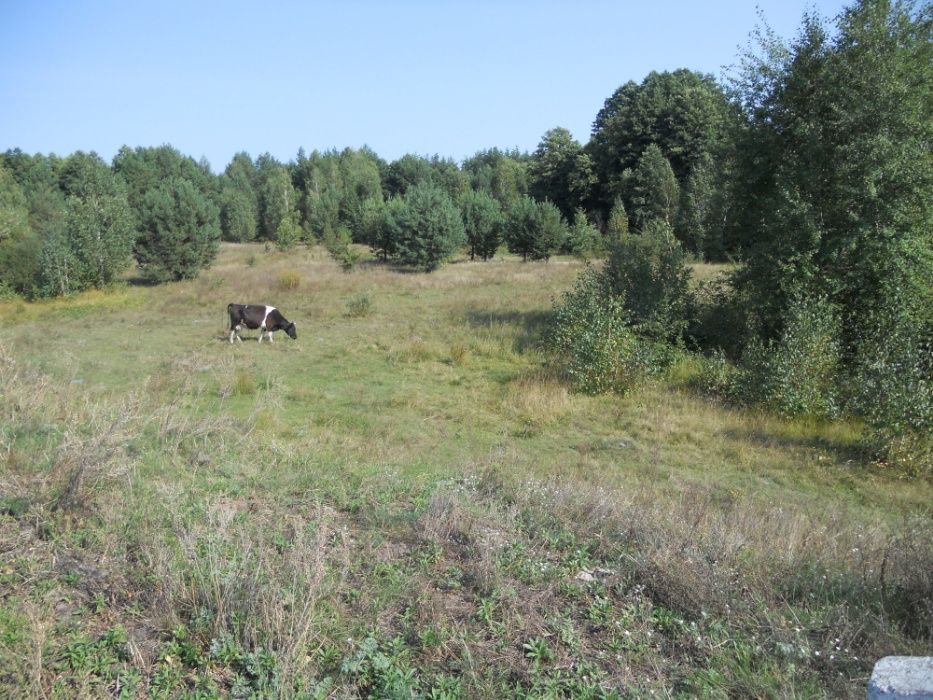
(406,502)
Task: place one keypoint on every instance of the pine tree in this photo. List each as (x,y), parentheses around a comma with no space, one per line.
(533,229)
(428,227)
(179,232)
(482,220)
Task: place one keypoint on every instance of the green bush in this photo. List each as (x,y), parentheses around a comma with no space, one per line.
(338,244)
(649,272)
(718,317)
(288,232)
(798,374)
(359,305)
(716,376)
(592,341)
(891,386)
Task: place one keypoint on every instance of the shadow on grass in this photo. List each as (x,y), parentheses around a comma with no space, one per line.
(137,280)
(531,326)
(793,437)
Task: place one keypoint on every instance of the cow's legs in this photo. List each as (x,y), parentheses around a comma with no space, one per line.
(235,333)
(262,332)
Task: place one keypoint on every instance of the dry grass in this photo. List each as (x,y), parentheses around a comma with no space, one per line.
(537,400)
(289,280)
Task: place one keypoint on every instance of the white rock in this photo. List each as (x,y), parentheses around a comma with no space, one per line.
(902,678)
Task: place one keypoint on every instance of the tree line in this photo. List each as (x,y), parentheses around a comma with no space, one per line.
(73,222)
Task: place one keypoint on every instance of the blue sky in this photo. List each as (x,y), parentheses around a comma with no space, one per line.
(446,78)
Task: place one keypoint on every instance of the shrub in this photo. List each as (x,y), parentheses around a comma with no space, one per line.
(649,272)
(288,232)
(591,339)
(891,385)
(797,375)
(717,376)
(244,384)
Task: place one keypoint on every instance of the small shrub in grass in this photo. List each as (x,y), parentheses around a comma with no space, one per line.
(459,354)
(648,271)
(716,377)
(797,374)
(359,305)
(288,232)
(289,280)
(891,385)
(592,341)
(378,674)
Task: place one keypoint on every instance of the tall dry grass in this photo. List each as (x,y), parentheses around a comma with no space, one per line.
(836,590)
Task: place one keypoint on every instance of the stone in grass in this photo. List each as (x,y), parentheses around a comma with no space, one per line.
(902,678)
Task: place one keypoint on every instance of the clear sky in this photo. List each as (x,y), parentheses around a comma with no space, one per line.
(442,77)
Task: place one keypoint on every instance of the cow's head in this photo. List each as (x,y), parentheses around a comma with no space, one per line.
(290,329)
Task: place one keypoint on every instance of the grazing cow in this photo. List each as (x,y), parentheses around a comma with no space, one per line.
(266,318)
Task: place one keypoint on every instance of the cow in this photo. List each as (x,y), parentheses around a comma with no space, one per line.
(267,319)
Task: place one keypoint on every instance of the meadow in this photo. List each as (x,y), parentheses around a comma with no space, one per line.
(407,501)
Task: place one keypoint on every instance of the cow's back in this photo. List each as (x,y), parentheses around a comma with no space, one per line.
(249,315)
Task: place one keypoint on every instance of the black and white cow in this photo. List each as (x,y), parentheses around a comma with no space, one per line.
(266,318)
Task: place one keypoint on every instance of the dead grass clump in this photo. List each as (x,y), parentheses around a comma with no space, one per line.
(289,280)
(84,463)
(244,384)
(459,354)
(258,579)
(537,400)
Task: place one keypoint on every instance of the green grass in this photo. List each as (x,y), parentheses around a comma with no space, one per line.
(405,500)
